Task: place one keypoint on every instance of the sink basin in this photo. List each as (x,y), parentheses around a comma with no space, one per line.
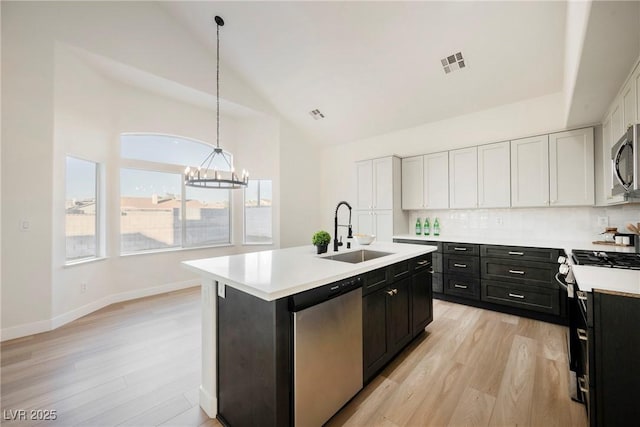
(357,256)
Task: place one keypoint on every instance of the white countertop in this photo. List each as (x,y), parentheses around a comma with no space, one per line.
(282,272)
(532,242)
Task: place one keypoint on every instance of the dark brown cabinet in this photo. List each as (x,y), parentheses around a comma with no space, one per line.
(394,311)
(422,301)
(611,380)
(462,270)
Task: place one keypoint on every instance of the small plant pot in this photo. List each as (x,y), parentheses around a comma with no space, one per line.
(322,248)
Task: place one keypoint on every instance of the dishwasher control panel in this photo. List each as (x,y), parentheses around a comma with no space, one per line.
(323,293)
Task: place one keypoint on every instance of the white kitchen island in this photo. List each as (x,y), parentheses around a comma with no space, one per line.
(272,276)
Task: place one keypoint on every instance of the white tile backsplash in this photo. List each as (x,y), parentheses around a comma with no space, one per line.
(569,223)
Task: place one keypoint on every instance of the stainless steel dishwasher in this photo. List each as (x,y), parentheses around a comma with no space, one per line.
(327,350)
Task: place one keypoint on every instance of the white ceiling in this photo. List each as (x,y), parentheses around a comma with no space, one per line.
(374,67)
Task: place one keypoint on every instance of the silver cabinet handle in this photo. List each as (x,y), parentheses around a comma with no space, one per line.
(390,292)
(516,253)
(582,383)
(460,265)
(516,295)
(516,271)
(431,271)
(460,286)
(395,291)
(423,262)
(459,249)
(582,334)
(582,295)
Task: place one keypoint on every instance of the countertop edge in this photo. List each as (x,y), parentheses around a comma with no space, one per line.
(357,269)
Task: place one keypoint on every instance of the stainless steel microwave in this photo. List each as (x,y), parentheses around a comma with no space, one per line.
(625,161)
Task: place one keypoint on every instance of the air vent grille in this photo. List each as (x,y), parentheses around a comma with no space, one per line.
(453,62)
(316,114)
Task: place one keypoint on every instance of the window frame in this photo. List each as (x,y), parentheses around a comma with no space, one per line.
(98,254)
(151,166)
(244,214)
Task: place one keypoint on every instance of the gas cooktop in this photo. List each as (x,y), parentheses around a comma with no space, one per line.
(607,259)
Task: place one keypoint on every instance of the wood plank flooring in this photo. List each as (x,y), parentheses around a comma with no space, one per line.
(473,367)
(138,364)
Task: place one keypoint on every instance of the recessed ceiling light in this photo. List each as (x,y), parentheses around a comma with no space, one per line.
(453,62)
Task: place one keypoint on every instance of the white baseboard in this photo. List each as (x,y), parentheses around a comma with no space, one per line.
(32,328)
(208,403)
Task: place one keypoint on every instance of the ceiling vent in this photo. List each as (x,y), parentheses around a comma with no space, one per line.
(316,114)
(453,62)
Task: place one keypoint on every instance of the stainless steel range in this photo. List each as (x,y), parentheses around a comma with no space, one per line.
(607,259)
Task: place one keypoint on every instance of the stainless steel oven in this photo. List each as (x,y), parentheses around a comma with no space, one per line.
(625,160)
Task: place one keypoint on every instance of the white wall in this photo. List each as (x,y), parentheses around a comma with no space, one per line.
(526,118)
(55,104)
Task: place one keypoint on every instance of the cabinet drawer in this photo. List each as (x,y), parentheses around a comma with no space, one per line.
(532,298)
(399,270)
(374,280)
(462,286)
(522,253)
(529,272)
(437,282)
(458,264)
(421,262)
(461,249)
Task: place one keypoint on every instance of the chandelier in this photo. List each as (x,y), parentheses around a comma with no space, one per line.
(216,170)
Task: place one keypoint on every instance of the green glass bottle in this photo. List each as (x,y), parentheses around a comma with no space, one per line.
(436,227)
(426,227)
(418,227)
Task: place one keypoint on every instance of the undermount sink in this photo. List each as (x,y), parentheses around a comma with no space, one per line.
(357,256)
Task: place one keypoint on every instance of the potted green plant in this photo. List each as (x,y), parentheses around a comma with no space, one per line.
(321,240)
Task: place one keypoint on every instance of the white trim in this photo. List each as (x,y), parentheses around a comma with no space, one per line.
(32,328)
(208,403)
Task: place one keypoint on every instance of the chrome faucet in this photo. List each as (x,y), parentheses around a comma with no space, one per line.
(337,243)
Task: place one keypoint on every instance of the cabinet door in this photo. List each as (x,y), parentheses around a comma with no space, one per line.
(494,176)
(383,183)
(383,226)
(412,183)
(436,181)
(571,168)
(617,125)
(463,178)
(374,331)
(530,171)
(607,144)
(399,326)
(364,185)
(636,80)
(421,301)
(363,222)
(629,103)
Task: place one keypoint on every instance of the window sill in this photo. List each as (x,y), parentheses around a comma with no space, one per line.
(181,249)
(84,261)
(258,244)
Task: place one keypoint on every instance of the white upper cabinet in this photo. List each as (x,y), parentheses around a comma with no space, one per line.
(383,183)
(375,184)
(494,175)
(530,171)
(617,126)
(571,168)
(436,181)
(629,104)
(378,205)
(463,179)
(364,185)
(425,181)
(607,175)
(412,183)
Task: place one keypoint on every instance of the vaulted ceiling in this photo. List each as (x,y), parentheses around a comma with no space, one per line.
(375,67)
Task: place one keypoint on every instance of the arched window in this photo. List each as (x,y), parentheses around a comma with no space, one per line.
(156,210)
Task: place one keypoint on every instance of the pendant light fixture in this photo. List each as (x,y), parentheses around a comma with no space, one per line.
(210,174)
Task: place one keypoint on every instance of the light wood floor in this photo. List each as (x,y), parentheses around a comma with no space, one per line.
(138,364)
